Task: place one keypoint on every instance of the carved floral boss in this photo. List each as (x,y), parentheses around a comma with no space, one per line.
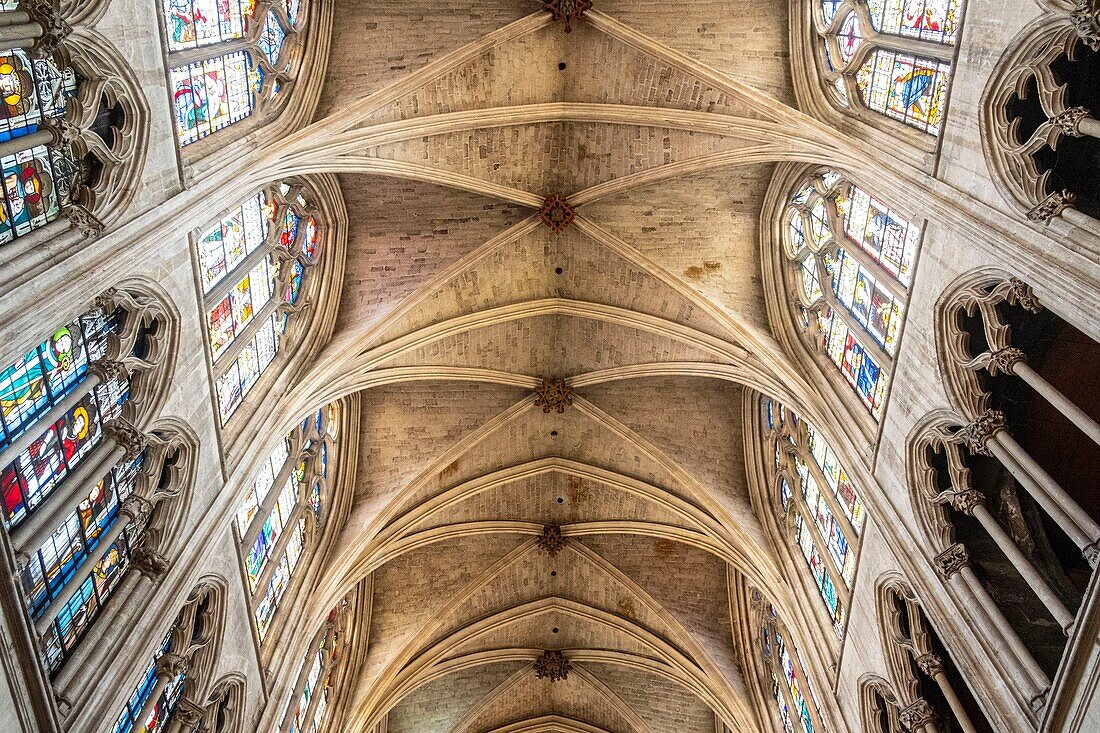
(569,9)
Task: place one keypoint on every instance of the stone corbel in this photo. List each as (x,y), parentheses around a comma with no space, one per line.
(54,28)
(1085,17)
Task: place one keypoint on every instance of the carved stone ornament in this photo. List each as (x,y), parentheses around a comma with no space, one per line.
(1068,121)
(965,501)
(139,510)
(551,540)
(1005,360)
(1086,21)
(952,560)
(107,301)
(553,666)
(150,564)
(1052,206)
(171,664)
(569,9)
(930,664)
(55,29)
(189,714)
(916,716)
(64,132)
(127,437)
(83,220)
(1021,294)
(976,435)
(553,394)
(108,370)
(557,213)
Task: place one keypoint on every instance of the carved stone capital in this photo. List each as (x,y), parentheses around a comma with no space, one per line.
(108,370)
(127,437)
(930,664)
(64,132)
(55,29)
(107,301)
(977,434)
(188,713)
(965,501)
(83,220)
(1086,21)
(1005,360)
(551,540)
(138,509)
(1068,121)
(1052,206)
(557,213)
(1021,294)
(553,394)
(151,564)
(951,560)
(171,665)
(915,716)
(570,10)
(553,666)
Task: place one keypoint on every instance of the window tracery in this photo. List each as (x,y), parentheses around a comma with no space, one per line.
(71,124)
(279,520)
(309,701)
(851,264)
(230,60)
(820,506)
(783,672)
(892,57)
(79,483)
(253,269)
(178,666)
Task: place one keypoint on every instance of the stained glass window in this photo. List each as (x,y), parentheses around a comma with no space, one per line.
(253,267)
(796,705)
(895,60)
(283,505)
(46,576)
(304,711)
(852,260)
(38,179)
(213,87)
(156,722)
(826,514)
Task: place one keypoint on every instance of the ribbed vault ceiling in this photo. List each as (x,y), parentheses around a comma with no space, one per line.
(457,301)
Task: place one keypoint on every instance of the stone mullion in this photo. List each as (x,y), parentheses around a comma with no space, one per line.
(886,361)
(277,552)
(777,669)
(303,677)
(229,354)
(825,489)
(830,562)
(263,511)
(856,252)
(209,52)
(777,673)
(230,280)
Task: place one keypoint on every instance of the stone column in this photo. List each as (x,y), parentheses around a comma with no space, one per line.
(1060,205)
(124,443)
(973,503)
(134,511)
(169,666)
(953,565)
(1076,122)
(917,718)
(931,665)
(1013,361)
(988,436)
